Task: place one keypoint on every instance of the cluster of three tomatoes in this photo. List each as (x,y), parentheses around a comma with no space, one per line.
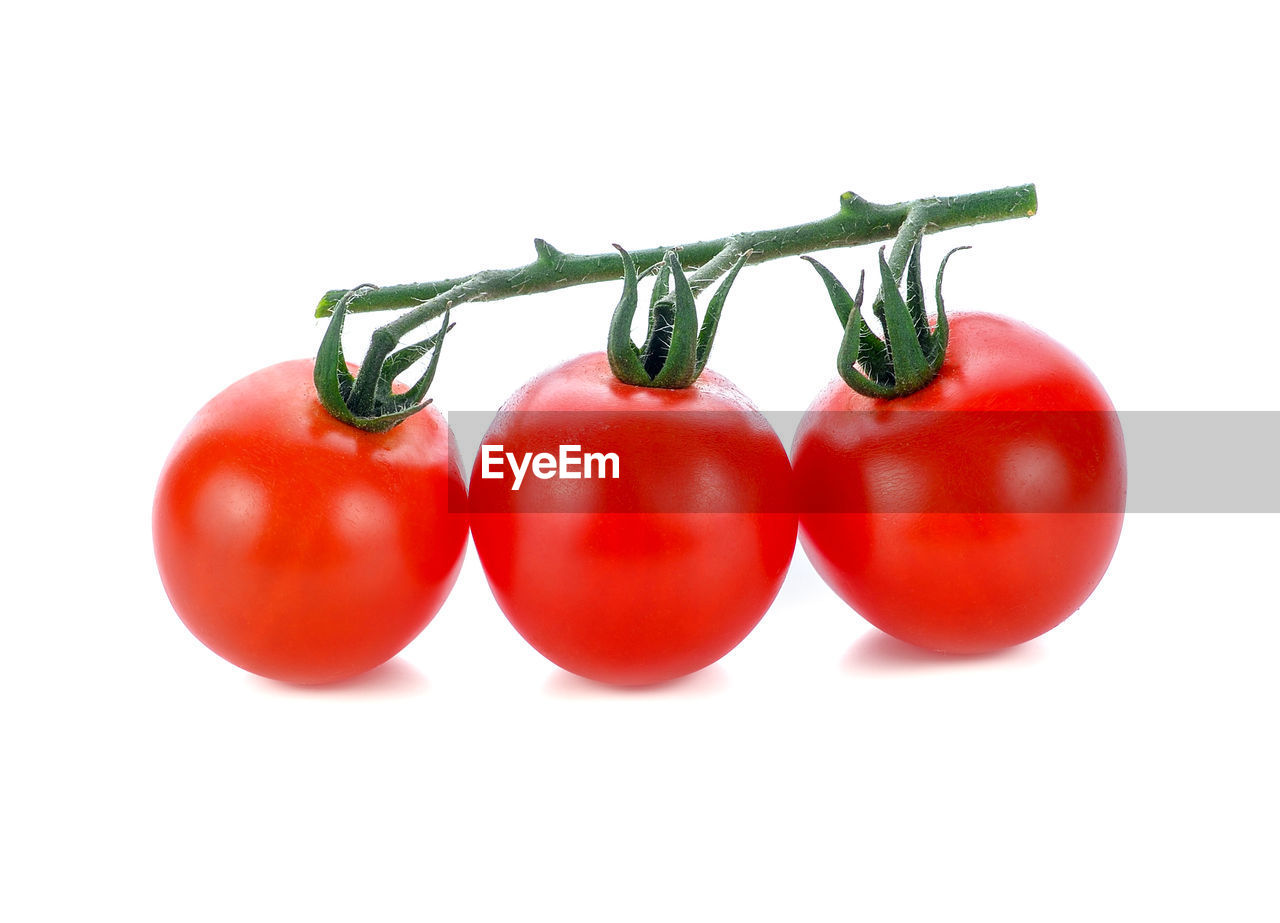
(308,551)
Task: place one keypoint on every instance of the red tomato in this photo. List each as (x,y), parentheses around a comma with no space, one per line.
(976,513)
(298,547)
(659,572)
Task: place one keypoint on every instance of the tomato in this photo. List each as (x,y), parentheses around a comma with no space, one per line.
(977,512)
(298,547)
(658,572)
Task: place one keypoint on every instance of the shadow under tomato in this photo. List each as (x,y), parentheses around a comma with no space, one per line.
(395,679)
(877,652)
(707,681)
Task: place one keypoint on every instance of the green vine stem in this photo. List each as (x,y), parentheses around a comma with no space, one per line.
(857,222)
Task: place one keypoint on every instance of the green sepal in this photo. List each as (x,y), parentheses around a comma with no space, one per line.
(333,380)
(661,289)
(413,398)
(707,335)
(853,345)
(399,362)
(910,368)
(624,357)
(680,367)
(915,295)
(385,421)
(841,300)
(662,321)
(942,329)
(871,352)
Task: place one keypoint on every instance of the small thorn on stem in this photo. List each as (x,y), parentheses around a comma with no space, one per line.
(546,252)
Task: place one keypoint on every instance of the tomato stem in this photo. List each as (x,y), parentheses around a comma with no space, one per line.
(857,222)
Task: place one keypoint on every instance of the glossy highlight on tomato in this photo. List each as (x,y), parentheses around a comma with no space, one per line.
(298,547)
(660,572)
(976,513)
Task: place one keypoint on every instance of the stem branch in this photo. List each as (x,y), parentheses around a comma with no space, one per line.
(857,222)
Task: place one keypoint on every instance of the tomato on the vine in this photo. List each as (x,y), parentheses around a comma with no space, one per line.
(301,548)
(661,565)
(979,508)
(654,574)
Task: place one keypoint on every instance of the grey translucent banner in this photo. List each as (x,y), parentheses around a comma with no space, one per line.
(949,462)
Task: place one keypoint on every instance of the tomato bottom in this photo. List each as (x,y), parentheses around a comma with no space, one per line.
(634,599)
(962,583)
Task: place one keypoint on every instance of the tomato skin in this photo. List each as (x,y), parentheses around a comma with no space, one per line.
(659,573)
(921,512)
(300,548)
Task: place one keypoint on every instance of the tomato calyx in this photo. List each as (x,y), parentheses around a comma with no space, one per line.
(675,349)
(910,354)
(367,400)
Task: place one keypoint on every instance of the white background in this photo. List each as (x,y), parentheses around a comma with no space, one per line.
(182,182)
